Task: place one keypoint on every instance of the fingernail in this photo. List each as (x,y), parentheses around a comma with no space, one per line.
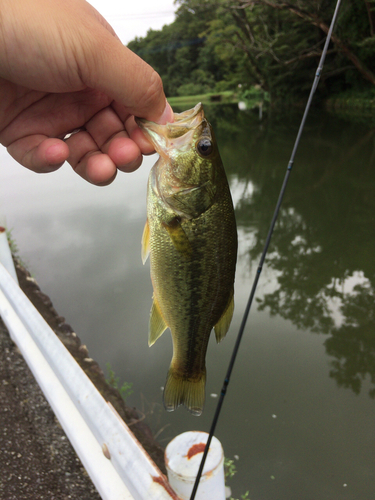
(167,116)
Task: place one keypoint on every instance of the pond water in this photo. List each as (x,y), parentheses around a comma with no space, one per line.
(299,416)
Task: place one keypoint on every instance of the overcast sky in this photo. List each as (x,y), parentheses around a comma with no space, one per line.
(133,18)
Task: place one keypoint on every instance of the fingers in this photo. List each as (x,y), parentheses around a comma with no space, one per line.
(39,153)
(93,165)
(109,133)
(125,153)
(42,154)
(95,153)
(90,163)
(134,132)
(111,136)
(104,147)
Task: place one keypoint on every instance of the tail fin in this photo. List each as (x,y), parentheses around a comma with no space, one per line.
(179,390)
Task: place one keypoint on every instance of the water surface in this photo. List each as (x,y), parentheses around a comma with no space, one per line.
(298,418)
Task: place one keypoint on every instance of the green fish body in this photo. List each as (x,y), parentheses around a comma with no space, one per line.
(191,237)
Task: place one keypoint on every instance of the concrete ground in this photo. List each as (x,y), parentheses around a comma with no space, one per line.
(36,458)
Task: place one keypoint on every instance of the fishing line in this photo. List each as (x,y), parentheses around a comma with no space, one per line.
(264,253)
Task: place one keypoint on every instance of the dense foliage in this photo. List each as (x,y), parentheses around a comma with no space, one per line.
(216,45)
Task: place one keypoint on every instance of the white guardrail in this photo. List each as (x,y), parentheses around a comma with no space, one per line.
(116,462)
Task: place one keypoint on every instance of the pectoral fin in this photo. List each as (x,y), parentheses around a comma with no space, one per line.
(157,324)
(179,237)
(145,242)
(222,326)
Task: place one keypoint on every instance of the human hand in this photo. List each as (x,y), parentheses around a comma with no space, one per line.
(63,68)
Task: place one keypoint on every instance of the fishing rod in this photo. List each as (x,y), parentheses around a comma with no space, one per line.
(264,253)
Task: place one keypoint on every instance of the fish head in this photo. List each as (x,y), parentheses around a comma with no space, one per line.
(189,160)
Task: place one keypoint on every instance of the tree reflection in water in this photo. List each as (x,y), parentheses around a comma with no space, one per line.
(323,247)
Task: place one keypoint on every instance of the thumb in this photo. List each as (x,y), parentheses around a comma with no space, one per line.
(122,75)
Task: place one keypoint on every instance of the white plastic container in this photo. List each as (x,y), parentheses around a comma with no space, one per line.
(183,456)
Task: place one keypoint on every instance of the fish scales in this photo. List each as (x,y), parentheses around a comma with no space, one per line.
(199,287)
(192,241)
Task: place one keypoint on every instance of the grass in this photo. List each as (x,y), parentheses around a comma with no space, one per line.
(229,471)
(12,243)
(126,388)
(210,98)
(14,249)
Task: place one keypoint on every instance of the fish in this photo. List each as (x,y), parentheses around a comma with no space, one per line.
(191,238)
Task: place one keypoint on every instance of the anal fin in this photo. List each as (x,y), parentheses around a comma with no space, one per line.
(222,326)
(157,325)
(145,242)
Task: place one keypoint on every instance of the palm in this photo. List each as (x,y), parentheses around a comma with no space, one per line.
(51,114)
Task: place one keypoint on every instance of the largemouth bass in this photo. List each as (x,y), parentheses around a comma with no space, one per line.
(191,237)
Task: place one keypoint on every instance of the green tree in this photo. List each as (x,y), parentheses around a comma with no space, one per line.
(283,42)
(220,44)
(177,52)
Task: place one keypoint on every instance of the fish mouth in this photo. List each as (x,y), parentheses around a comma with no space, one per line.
(189,118)
(177,135)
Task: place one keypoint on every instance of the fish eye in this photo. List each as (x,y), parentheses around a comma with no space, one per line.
(204,147)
